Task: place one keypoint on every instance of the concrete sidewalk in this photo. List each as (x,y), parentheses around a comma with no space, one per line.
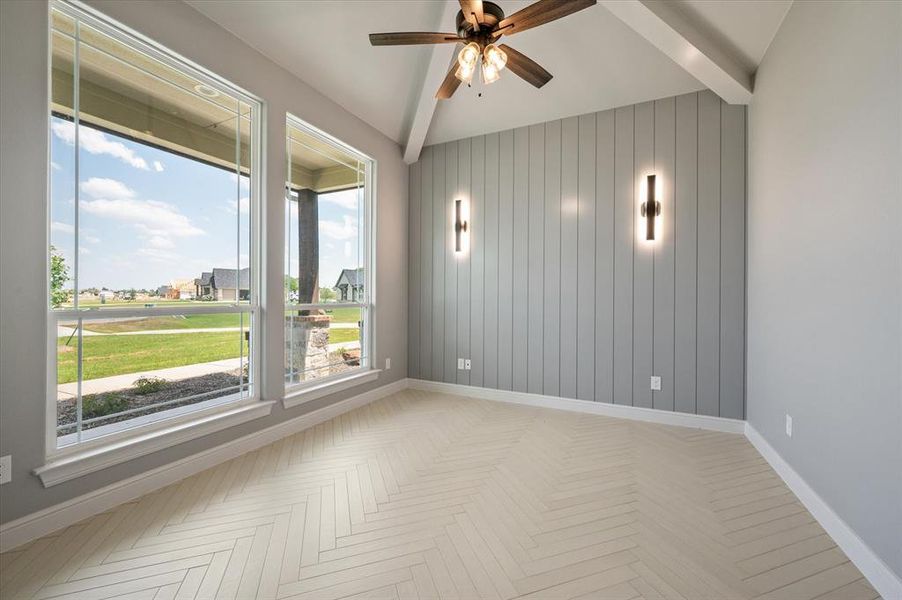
(119,382)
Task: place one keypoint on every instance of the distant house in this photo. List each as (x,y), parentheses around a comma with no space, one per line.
(222,284)
(106,296)
(350,285)
(203,286)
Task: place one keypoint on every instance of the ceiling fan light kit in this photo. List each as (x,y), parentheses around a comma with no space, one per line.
(479,24)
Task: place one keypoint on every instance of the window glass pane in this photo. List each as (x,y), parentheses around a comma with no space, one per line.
(320,343)
(134,369)
(324,215)
(62,168)
(151,208)
(162,194)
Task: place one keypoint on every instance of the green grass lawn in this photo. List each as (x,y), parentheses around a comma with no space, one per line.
(211,321)
(105,356)
(169,322)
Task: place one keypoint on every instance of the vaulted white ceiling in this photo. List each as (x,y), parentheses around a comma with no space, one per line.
(597,60)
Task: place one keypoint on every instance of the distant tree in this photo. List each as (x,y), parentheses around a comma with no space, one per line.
(131,294)
(327,295)
(291,283)
(59,275)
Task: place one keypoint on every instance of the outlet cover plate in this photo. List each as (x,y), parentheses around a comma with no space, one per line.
(655,383)
(788,426)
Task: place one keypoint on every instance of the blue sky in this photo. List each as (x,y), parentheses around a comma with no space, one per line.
(148,216)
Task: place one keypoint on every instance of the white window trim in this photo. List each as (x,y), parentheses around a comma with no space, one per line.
(300,393)
(68,462)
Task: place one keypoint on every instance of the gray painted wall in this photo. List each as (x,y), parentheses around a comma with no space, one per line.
(23,227)
(825,259)
(556,294)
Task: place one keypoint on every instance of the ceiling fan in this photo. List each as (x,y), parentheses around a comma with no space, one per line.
(480,24)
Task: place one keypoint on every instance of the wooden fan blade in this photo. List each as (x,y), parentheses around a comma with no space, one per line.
(472,10)
(543,11)
(449,85)
(408,38)
(525,67)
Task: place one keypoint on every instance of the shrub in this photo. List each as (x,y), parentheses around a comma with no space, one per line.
(101,405)
(149,385)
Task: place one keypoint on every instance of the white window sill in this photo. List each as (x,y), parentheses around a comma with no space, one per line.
(298,395)
(79,463)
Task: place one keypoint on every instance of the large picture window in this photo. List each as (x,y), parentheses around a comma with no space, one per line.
(328,279)
(153,258)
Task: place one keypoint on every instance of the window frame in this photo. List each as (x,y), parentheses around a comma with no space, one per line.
(225,405)
(304,391)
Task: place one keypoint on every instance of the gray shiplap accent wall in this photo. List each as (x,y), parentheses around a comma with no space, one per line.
(558,294)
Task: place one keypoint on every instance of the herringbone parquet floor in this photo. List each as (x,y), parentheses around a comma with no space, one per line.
(435,496)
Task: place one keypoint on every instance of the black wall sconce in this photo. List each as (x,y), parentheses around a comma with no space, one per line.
(650,209)
(460,226)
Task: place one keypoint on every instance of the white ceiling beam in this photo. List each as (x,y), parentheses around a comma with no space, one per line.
(439,62)
(670,31)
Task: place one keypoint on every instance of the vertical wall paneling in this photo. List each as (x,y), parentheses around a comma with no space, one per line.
(413,267)
(440,242)
(604,256)
(665,141)
(624,234)
(505,258)
(536,265)
(643,262)
(685,251)
(463,260)
(585,262)
(708,347)
(477,260)
(551,331)
(492,261)
(558,292)
(732,264)
(520,308)
(569,251)
(452,190)
(423,345)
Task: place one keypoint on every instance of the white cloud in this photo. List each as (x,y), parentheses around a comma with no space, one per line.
(108,189)
(62,227)
(160,242)
(339,231)
(243,204)
(150,217)
(84,251)
(346,200)
(348,249)
(158,166)
(91,239)
(55,165)
(96,142)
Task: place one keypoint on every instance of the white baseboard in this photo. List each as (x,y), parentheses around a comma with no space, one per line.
(887,584)
(620,411)
(30,527)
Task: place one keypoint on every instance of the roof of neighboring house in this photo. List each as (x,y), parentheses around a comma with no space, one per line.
(224,279)
(204,279)
(352,276)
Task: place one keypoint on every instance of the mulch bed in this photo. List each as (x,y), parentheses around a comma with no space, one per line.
(208,385)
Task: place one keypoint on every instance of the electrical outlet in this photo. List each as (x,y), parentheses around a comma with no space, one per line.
(387,364)
(6,469)
(656,383)
(788,426)
(460,364)
(467,364)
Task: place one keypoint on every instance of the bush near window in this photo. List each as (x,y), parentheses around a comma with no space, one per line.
(102,405)
(149,385)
